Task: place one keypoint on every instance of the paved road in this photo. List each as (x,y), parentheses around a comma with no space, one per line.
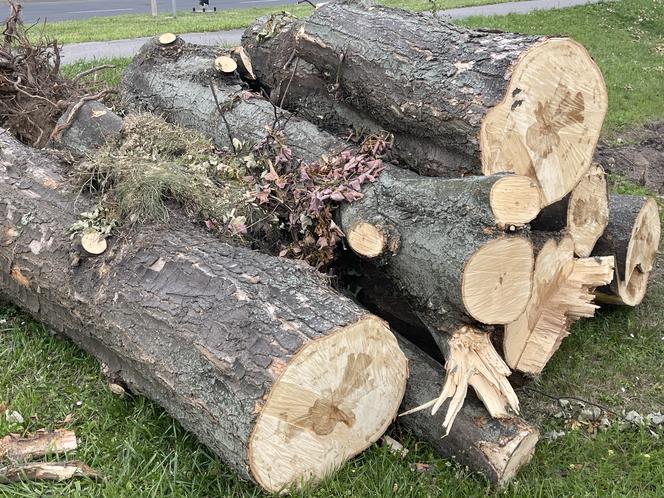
(60,10)
(127,48)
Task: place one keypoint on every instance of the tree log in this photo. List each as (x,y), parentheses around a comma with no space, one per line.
(496,447)
(278,374)
(632,237)
(496,99)
(583,213)
(174,82)
(443,248)
(563,292)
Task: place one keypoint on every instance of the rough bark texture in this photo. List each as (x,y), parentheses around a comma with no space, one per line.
(174,81)
(458,101)
(432,237)
(203,328)
(495,447)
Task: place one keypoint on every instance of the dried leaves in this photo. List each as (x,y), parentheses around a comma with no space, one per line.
(304,195)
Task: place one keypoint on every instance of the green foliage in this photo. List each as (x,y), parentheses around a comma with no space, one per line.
(626,39)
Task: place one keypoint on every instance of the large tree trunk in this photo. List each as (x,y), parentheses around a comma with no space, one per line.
(174,81)
(632,237)
(496,99)
(281,376)
(496,447)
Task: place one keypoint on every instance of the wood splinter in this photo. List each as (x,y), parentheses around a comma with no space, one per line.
(37,445)
(45,471)
(471,360)
(562,294)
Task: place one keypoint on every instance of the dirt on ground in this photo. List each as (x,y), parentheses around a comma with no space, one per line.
(638,155)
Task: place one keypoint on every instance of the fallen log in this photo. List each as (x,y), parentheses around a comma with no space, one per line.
(632,237)
(495,99)
(175,82)
(583,213)
(278,374)
(443,248)
(563,292)
(495,447)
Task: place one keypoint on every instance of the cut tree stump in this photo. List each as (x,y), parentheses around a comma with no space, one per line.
(174,82)
(496,99)
(632,237)
(583,213)
(280,375)
(563,292)
(495,447)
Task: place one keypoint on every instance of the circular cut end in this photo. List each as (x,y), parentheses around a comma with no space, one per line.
(641,253)
(93,243)
(588,211)
(520,451)
(167,38)
(367,240)
(548,124)
(497,280)
(515,200)
(225,64)
(335,398)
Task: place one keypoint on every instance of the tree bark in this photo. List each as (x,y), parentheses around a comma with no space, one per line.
(440,248)
(256,355)
(495,447)
(495,99)
(174,82)
(632,237)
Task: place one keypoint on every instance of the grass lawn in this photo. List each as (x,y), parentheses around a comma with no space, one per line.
(132,26)
(615,360)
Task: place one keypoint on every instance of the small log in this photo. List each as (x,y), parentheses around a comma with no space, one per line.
(583,213)
(632,237)
(45,471)
(495,447)
(281,376)
(42,443)
(494,98)
(563,292)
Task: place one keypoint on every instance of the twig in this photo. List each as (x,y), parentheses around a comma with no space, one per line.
(307,1)
(222,114)
(87,72)
(559,398)
(283,96)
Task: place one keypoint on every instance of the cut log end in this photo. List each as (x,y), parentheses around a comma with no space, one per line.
(471,360)
(515,200)
(225,64)
(548,124)
(514,455)
(167,38)
(94,243)
(367,240)
(588,211)
(641,254)
(497,280)
(332,401)
(562,293)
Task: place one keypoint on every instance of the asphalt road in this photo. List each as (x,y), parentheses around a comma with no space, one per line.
(60,10)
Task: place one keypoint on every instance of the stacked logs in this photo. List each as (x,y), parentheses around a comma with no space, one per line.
(490,223)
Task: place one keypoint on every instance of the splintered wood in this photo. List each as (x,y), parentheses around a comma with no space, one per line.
(37,445)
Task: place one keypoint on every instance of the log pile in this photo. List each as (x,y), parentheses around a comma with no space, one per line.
(465,204)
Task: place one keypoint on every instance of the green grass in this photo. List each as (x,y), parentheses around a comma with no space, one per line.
(626,39)
(132,26)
